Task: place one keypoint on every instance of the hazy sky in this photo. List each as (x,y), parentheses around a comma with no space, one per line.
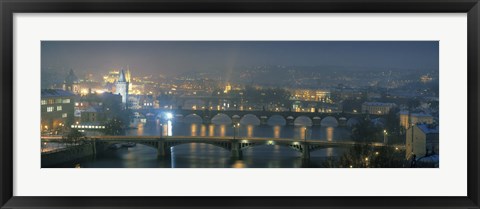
(172,57)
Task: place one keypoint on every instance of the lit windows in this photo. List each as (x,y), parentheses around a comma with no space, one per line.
(49,109)
(44,102)
(66,101)
(58,101)
(64,115)
(59,108)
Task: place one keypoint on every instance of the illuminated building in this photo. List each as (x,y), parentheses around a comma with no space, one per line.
(421,140)
(311,95)
(377,108)
(228,88)
(121,87)
(415,118)
(71,83)
(425,78)
(56,109)
(111,77)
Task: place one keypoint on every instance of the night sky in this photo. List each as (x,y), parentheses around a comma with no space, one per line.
(174,57)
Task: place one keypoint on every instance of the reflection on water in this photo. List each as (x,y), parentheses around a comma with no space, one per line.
(222,130)
(329,134)
(249,130)
(276,131)
(266,131)
(195,155)
(193,129)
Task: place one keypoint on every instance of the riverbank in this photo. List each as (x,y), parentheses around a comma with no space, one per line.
(72,153)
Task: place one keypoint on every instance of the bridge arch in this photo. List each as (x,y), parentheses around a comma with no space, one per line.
(303,121)
(353,122)
(221,119)
(250,119)
(192,118)
(329,121)
(276,120)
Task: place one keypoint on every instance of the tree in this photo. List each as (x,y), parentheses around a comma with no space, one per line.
(393,126)
(365,131)
(367,156)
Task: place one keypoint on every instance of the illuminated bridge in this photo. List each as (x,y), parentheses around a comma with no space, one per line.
(235,146)
(206,116)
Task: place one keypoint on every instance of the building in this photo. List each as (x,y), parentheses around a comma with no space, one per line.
(98,107)
(111,77)
(71,83)
(310,95)
(121,87)
(57,109)
(90,115)
(415,118)
(421,141)
(377,108)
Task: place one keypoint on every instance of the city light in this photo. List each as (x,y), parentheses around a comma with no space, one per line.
(343,111)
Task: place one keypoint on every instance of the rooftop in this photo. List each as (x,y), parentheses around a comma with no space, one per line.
(428,128)
(378,104)
(46,93)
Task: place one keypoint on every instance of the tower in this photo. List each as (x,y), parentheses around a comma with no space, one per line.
(71,83)
(122,87)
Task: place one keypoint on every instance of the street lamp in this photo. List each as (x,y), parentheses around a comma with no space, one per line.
(161,130)
(385,133)
(169,115)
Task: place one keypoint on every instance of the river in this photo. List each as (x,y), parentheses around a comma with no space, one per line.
(197,155)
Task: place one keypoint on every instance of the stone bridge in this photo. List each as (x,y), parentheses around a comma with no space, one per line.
(289,118)
(234,145)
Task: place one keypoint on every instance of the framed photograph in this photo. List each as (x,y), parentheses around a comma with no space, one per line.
(264,104)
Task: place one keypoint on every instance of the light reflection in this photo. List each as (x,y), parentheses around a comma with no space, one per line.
(302,132)
(164,129)
(169,127)
(140,129)
(329,134)
(239,164)
(211,130)
(250,131)
(193,129)
(193,148)
(276,131)
(329,152)
(203,130)
(222,130)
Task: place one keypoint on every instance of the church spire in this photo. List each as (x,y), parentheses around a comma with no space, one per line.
(122,77)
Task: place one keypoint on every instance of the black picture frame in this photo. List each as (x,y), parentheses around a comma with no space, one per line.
(9,7)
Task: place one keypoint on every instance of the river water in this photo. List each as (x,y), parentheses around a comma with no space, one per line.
(197,155)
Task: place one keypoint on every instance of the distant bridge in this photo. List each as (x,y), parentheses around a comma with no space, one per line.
(206,116)
(234,145)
